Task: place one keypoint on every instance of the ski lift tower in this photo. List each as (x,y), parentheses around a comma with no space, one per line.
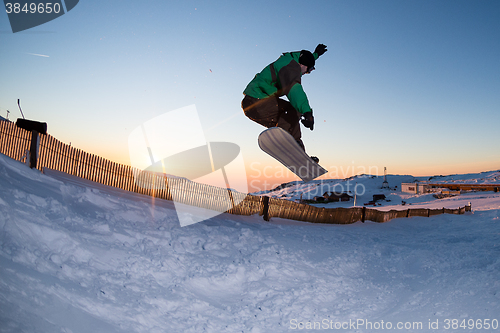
(385,184)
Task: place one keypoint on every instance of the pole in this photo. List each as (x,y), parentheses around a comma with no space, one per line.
(33,149)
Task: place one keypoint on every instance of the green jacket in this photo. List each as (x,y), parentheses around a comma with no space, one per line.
(287,82)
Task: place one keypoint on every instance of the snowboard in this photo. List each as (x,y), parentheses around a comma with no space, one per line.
(279,144)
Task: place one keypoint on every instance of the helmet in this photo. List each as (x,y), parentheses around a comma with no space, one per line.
(306,58)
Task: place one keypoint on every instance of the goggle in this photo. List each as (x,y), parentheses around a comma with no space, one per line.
(310,69)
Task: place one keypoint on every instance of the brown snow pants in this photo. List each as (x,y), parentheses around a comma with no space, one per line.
(274,112)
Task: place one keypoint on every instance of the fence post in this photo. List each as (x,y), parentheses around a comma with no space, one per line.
(265,211)
(33,149)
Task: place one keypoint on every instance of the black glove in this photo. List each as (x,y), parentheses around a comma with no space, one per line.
(320,49)
(308,120)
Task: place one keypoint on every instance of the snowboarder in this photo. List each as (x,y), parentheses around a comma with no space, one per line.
(283,77)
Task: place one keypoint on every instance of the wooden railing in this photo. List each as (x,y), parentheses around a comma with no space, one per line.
(53,154)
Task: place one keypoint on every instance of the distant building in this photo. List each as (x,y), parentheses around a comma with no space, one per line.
(3,119)
(319,199)
(335,197)
(378,197)
(415,188)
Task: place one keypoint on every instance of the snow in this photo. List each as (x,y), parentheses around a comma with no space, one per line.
(76,256)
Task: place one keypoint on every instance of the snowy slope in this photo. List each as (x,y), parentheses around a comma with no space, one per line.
(79,257)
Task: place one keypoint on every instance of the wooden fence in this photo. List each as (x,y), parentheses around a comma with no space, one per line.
(468,187)
(53,154)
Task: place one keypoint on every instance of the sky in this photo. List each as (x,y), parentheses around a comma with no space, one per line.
(413,86)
